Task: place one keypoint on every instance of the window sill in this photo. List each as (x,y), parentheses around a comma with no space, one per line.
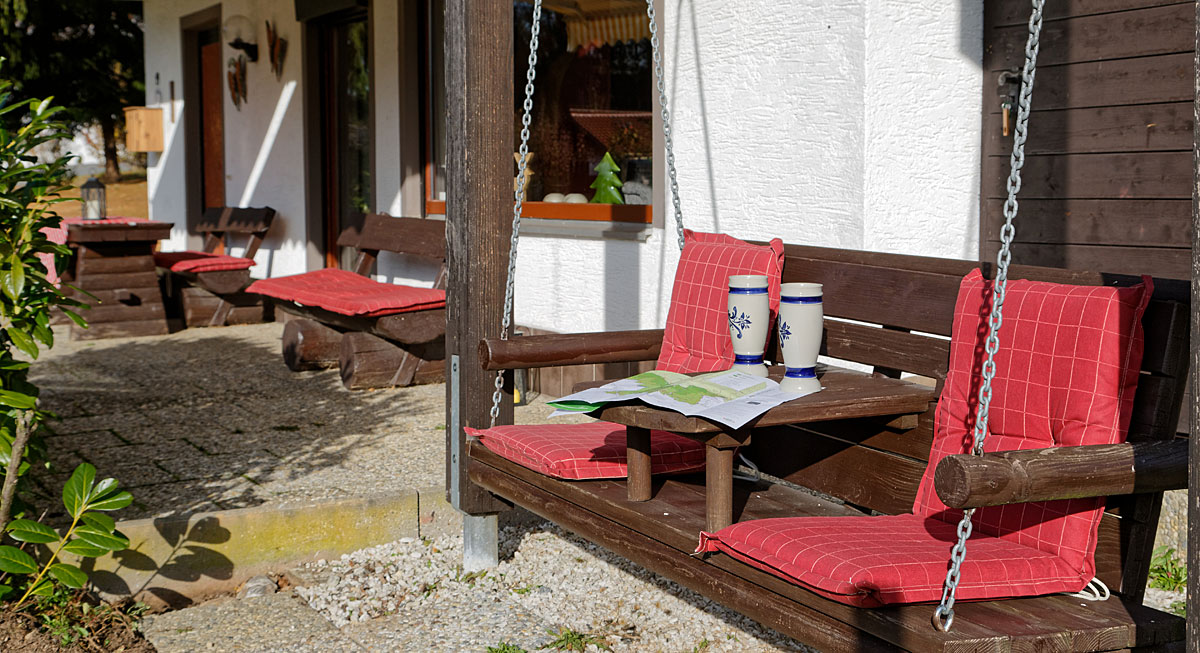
(631,214)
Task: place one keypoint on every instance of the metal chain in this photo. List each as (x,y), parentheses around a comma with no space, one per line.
(943,616)
(666,120)
(518,199)
(523,152)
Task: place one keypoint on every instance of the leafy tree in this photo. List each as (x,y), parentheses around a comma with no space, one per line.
(88,53)
(28,192)
(607,184)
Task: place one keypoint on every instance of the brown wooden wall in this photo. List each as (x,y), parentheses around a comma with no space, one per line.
(1107,180)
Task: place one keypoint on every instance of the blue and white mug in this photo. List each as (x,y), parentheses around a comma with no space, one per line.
(749,312)
(801,316)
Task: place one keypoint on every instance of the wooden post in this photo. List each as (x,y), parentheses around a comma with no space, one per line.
(637,463)
(1193,552)
(479,200)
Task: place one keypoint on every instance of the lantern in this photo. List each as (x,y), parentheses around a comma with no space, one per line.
(92,193)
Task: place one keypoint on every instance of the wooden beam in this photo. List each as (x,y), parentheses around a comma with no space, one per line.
(1001,478)
(1193,557)
(556,349)
(479,139)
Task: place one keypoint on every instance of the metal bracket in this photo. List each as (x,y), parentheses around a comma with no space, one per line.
(454,432)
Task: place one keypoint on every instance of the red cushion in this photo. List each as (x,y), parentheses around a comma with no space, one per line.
(872,561)
(195,262)
(696,338)
(587,451)
(342,291)
(1066,374)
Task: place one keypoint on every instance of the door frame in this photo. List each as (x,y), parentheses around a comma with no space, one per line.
(317,248)
(190,27)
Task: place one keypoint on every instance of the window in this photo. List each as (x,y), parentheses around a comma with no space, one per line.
(593,96)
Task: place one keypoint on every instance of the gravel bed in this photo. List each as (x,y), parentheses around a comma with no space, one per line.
(561,579)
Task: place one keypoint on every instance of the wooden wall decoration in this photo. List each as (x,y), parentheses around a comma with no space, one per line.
(237,80)
(276,50)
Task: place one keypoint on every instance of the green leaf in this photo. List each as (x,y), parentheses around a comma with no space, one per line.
(100,521)
(78,488)
(98,538)
(22,340)
(75,318)
(16,561)
(114,502)
(17,400)
(82,548)
(27,530)
(17,276)
(43,588)
(5,590)
(107,486)
(68,575)
(13,364)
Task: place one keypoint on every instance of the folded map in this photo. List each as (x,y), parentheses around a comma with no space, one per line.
(731,398)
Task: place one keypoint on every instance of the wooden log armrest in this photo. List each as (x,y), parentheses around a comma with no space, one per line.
(557,349)
(1006,477)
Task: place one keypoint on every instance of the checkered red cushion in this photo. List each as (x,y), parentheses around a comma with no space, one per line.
(872,561)
(1066,374)
(195,262)
(696,338)
(587,451)
(342,291)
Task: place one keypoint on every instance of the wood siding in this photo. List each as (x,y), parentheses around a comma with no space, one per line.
(1107,180)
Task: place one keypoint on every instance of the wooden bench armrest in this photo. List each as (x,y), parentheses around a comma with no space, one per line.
(1006,477)
(552,350)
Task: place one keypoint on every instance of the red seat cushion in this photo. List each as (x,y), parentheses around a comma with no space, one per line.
(344,292)
(1066,374)
(195,262)
(586,451)
(872,561)
(696,338)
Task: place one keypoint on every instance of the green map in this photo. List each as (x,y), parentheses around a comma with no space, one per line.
(671,386)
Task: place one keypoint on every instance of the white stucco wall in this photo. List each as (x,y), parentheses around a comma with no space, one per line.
(848,124)
(264,151)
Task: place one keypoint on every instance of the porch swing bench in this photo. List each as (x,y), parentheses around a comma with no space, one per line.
(892,313)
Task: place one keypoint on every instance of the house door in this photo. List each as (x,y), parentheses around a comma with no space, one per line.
(212,122)
(345,92)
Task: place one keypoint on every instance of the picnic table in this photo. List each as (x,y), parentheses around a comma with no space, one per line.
(113,261)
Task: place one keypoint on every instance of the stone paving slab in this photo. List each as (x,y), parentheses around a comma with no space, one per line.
(458,624)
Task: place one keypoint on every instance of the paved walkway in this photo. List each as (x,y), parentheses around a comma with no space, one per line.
(211,419)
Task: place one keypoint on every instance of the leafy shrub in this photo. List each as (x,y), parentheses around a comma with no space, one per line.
(1167,570)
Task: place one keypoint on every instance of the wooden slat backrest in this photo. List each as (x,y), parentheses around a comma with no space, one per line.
(899,301)
(413,236)
(218,223)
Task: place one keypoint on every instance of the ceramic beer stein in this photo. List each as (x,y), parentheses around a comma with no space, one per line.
(749,313)
(800,328)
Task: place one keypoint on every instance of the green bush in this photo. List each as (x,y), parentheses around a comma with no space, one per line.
(1167,571)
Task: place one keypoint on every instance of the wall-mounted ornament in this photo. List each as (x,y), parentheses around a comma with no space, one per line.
(276,50)
(238,32)
(237,80)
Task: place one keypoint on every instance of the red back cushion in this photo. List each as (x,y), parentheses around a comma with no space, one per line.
(1066,373)
(696,338)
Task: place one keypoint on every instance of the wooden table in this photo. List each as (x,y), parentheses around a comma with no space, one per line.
(847,394)
(113,260)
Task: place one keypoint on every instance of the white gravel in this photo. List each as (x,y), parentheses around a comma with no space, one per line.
(547,572)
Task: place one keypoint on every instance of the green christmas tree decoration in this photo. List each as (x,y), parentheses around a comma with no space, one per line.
(607,185)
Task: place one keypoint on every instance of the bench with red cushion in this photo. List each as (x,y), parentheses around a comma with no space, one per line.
(347,293)
(696,339)
(1067,371)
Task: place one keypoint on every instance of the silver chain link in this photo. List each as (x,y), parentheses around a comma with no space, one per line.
(666,120)
(523,152)
(518,199)
(943,616)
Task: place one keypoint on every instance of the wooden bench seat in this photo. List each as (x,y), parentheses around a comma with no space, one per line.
(207,287)
(371,350)
(893,314)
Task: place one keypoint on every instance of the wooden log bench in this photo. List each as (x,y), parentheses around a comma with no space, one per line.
(207,287)
(892,313)
(372,347)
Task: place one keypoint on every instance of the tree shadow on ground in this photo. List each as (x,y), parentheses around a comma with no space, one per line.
(212,419)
